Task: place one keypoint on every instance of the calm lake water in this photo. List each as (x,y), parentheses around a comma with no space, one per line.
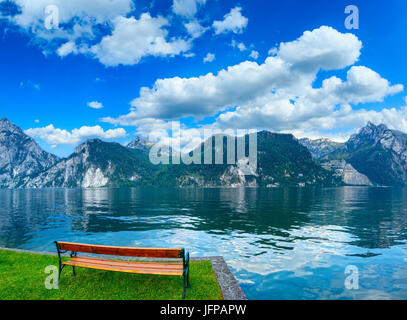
(279,243)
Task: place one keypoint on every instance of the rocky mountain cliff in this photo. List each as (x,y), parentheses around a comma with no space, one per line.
(346,172)
(378,153)
(374,156)
(96,164)
(321,147)
(139,144)
(21,158)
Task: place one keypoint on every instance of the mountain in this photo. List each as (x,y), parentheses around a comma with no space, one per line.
(97,164)
(377,152)
(140,144)
(346,172)
(321,147)
(21,158)
(284,161)
(376,155)
(281,161)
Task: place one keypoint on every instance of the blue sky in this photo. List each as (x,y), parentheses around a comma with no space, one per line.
(105,52)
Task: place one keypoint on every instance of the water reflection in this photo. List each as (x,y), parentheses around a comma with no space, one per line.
(280,243)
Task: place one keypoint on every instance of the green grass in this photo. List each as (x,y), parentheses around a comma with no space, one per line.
(22,277)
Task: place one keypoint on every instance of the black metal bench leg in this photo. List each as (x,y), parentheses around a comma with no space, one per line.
(59,275)
(61,267)
(185,286)
(188,285)
(185,263)
(73,255)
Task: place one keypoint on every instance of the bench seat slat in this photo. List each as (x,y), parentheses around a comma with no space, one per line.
(121,251)
(127,266)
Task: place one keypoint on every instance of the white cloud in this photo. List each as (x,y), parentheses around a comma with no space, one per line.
(208,94)
(57,136)
(156,130)
(195,29)
(67,48)
(76,19)
(324,48)
(234,22)
(318,108)
(254,54)
(187,8)
(273,51)
(205,95)
(127,43)
(144,125)
(209,58)
(278,94)
(95,105)
(33,12)
(134,39)
(189,55)
(240,45)
(283,115)
(362,85)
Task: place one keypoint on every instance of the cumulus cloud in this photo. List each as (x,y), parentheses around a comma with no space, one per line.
(205,95)
(56,136)
(324,48)
(273,51)
(67,48)
(195,29)
(75,18)
(144,125)
(318,108)
(187,8)
(128,41)
(157,131)
(209,57)
(240,45)
(32,13)
(362,85)
(277,94)
(254,54)
(234,22)
(283,115)
(208,94)
(95,105)
(133,39)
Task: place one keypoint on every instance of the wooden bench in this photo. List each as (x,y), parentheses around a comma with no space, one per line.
(180,269)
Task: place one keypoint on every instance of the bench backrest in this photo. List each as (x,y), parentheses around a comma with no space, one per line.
(122,251)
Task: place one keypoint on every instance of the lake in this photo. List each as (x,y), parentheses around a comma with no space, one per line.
(283,243)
